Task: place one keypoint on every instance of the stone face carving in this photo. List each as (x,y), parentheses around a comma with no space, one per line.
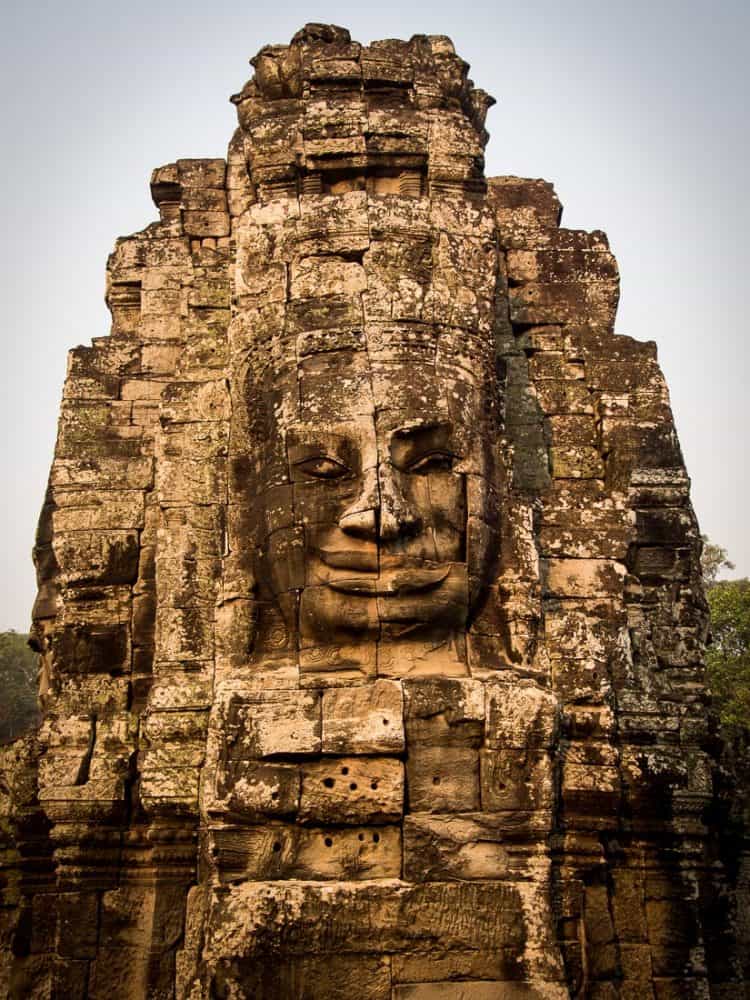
(369,609)
(362,458)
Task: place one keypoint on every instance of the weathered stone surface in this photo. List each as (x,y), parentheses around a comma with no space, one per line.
(369,611)
(487,989)
(289,851)
(520,716)
(466,847)
(363,720)
(352,790)
(516,781)
(286,724)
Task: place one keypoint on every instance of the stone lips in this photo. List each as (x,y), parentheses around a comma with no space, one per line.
(344,371)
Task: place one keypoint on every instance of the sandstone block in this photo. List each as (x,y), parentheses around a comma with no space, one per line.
(585,577)
(520,716)
(129,971)
(77,924)
(286,851)
(512,196)
(207,173)
(374,918)
(481,990)
(565,302)
(454,847)
(174,789)
(442,779)
(206,223)
(459,700)
(563,396)
(580,462)
(425,967)
(288,724)
(332,977)
(554,365)
(175,724)
(195,199)
(352,790)
(657,563)
(253,790)
(180,691)
(363,720)
(91,649)
(516,780)
(591,790)
(586,542)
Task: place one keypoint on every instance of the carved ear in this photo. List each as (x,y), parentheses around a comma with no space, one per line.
(236,614)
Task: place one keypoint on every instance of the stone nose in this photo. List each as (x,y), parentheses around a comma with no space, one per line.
(360,519)
(381,512)
(397,517)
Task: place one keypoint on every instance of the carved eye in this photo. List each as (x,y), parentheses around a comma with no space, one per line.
(434,461)
(322,467)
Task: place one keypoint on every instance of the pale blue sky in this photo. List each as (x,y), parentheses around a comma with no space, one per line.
(637,112)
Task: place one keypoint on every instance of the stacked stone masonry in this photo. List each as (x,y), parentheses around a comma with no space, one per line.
(370,613)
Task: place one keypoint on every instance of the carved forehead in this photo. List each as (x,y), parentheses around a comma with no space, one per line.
(337,386)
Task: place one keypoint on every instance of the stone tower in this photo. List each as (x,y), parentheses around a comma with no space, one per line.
(369,611)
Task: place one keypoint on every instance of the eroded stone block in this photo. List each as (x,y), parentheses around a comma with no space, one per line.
(366,720)
(516,780)
(520,716)
(352,790)
(442,779)
(289,851)
(288,723)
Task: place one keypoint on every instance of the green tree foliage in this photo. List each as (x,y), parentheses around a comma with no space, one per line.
(728,656)
(713,559)
(19,709)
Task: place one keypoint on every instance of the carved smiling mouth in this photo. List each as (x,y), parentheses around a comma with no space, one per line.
(362,561)
(394,582)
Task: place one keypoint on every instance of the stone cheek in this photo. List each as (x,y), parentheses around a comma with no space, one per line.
(369,590)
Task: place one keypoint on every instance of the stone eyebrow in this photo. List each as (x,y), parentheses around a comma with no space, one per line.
(301,446)
(419,437)
(417,429)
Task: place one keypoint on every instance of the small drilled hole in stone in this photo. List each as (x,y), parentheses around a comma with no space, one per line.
(376,838)
(274,796)
(436,780)
(329,782)
(386,722)
(344,770)
(328,842)
(360,836)
(353,786)
(276,846)
(373,785)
